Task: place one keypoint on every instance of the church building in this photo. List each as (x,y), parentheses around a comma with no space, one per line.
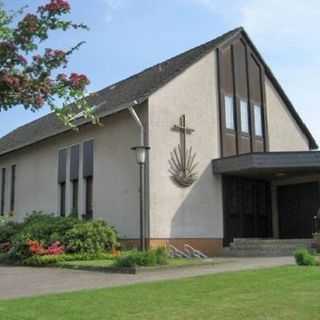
(229,155)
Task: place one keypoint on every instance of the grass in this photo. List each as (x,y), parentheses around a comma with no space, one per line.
(286,293)
(100,264)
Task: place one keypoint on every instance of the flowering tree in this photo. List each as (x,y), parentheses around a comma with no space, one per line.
(32,77)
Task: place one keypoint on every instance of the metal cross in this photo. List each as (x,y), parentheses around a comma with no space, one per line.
(183,134)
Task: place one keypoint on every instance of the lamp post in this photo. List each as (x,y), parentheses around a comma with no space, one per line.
(141,153)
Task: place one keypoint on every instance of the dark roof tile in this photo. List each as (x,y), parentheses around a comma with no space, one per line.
(120,95)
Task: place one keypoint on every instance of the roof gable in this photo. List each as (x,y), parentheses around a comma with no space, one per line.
(138,88)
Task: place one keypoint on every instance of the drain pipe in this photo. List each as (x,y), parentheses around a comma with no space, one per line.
(138,121)
(141,151)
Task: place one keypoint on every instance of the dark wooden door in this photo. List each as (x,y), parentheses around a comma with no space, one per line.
(247,210)
(297,205)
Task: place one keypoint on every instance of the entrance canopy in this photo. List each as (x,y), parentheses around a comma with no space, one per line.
(269,165)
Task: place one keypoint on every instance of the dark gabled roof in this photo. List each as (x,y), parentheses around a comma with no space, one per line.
(122,94)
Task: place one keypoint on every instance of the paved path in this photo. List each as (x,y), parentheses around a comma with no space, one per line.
(24,281)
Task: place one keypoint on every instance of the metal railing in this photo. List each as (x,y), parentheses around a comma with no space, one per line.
(188,252)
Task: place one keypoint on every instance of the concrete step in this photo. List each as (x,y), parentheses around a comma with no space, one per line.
(272,241)
(247,247)
(269,246)
(257,253)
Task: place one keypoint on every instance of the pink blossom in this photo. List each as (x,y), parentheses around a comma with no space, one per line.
(56,6)
(78,81)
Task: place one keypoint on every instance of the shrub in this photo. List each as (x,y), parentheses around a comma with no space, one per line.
(146,258)
(47,228)
(20,248)
(8,229)
(304,258)
(162,255)
(91,237)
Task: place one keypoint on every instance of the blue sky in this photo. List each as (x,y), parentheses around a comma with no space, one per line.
(127,36)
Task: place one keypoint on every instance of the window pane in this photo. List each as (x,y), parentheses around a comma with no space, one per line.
(257,120)
(244,116)
(229,112)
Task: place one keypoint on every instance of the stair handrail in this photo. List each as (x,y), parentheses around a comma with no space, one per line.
(175,252)
(194,252)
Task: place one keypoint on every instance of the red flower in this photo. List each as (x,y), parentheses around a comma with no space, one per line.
(56,248)
(36,248)
(30,23)
(10,80)
(56,7)
(78,81)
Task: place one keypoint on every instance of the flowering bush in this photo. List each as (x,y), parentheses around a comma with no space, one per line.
(55,249)
(30,77)
(36,248)
(48,235)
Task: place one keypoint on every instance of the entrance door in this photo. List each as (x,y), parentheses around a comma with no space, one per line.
(247,210)
(297,205)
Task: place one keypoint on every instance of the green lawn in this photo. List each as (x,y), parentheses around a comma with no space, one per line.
(279,293)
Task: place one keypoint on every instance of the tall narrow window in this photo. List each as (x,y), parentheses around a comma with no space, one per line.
(62,176)
(89,197)
(75,197)
(244,114)
(74,177)
(257,121)
(62,187)
(3,190)
(88,177)
(13,188)
(229,112)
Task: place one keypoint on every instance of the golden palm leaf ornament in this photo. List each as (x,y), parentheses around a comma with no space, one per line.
(182,163)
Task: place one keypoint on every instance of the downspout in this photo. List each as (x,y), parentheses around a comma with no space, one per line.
(138,122)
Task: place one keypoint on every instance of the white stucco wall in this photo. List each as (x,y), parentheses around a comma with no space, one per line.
(284,132)
(115,174)
(196,211)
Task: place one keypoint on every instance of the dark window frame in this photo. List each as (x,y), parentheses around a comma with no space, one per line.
(75,197)
(88,172)
(13,188)
(3,190)
(62,191)
(89,197)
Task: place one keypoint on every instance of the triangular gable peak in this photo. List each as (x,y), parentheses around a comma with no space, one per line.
(242,75)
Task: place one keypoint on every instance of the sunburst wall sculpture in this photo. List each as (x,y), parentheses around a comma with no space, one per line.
(182,159)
